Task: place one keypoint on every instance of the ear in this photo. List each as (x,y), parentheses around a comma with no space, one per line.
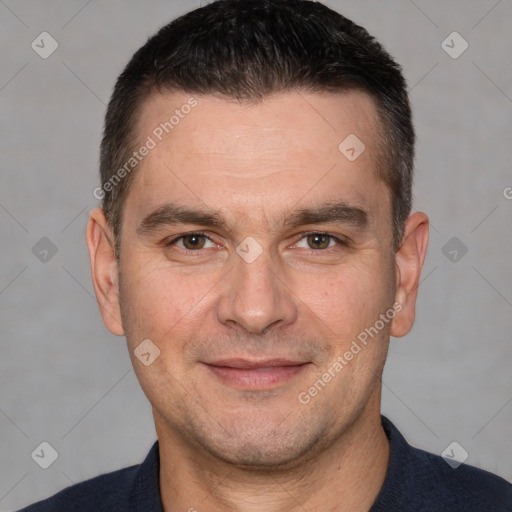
(104,270)
(409,261)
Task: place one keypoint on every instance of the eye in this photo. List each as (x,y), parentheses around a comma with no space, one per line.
(192,241)
(319,241)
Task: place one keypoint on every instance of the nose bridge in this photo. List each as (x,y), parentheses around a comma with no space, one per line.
(256,280)
(255,298)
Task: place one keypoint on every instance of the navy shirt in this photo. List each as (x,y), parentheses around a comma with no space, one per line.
(416,481)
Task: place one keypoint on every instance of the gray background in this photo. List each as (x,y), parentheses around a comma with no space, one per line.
(65,380)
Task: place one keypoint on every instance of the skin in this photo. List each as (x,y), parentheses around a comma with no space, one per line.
(303,298)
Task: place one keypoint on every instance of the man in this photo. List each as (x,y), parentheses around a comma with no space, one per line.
(256,248)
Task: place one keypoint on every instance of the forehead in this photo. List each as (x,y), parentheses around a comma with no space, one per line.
(258,156)
(309,120)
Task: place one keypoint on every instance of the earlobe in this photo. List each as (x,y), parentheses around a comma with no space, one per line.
(104,270)
(409,261)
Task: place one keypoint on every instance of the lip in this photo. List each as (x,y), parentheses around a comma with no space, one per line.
(246,364)
(256,375)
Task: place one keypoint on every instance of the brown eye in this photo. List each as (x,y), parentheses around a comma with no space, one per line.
(193,241)
(318,241)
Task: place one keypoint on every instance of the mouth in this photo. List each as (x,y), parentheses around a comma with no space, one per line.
(256,375)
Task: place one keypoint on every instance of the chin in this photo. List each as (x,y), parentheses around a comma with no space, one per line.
(264,449)
(259,456)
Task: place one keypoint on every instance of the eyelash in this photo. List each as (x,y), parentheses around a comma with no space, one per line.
(339,241)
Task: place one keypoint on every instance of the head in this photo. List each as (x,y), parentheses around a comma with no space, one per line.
(256,171)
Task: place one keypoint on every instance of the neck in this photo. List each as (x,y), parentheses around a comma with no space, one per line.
(345,476)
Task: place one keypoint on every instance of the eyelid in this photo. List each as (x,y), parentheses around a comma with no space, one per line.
(176,239)
(339,240)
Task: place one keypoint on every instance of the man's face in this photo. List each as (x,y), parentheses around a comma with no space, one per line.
(246,327)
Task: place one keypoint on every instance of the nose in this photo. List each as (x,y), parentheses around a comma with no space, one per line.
(256,297)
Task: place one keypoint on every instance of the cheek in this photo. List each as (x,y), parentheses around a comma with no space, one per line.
(350,298)
(159,303)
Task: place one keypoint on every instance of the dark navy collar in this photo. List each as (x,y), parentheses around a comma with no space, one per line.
(145,495)
(415,481)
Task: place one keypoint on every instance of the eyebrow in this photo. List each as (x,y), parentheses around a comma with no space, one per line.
(172,214)
(339,212)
